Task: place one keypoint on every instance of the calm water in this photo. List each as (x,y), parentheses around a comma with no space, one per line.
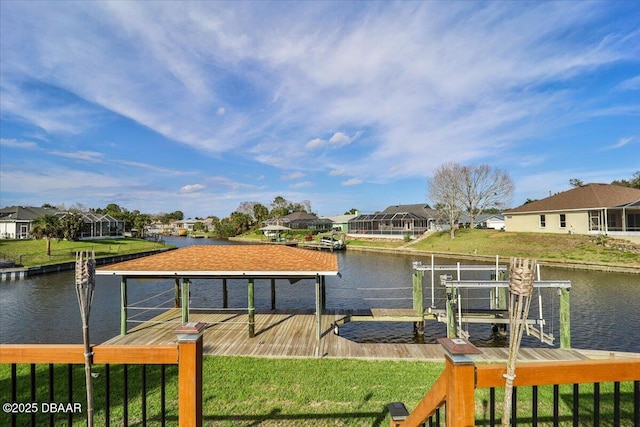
(605,307)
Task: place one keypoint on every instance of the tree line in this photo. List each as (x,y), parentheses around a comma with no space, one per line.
(454,190)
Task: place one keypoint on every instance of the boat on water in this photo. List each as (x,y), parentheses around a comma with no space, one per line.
(335,244)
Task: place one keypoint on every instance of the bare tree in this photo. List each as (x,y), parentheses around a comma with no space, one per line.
(483,187)
(445,193)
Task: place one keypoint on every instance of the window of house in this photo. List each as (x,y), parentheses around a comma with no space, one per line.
(563,221)
(543,221)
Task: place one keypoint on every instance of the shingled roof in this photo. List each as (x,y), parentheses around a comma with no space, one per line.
(229,261)
(589,196)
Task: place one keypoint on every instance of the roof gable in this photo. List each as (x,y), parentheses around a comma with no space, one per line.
(419,209)
(25,213)
(589,196)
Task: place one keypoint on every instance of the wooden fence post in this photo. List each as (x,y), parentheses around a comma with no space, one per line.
(461,384)
(190,374)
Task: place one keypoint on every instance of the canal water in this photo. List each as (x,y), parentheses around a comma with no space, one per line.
(605,307)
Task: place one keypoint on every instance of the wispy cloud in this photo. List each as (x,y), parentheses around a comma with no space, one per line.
(304,184)
(622,142)
(292,176)
(630,84)
(192,188)
(86,156)
(381,91)
(352,181)
(14,143)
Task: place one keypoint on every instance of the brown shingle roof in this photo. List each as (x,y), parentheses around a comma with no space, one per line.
(589,196)
(229,261)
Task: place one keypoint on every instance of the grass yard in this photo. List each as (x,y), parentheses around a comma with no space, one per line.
(541,246)
(245,391)
(33,252)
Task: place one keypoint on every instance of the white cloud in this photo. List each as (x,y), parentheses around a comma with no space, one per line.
(336,172)
(304,184)
(87,156)
(292,176)
(317,142)
(630,84)
(339,139)
(352,181)
(14,143)
(220,111)
(192,188)
(621,143)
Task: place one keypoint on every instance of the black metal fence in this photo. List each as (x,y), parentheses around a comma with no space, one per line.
(55,394)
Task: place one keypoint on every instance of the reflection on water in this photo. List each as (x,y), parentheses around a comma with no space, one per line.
(44,309)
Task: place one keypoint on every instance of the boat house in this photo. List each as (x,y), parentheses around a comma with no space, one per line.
(240,264)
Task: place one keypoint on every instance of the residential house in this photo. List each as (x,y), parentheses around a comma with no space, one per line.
(16,222)
(495,221)
(397,222)
(184,226)
(301,221)
(340,222)
(100,226)
(605,209)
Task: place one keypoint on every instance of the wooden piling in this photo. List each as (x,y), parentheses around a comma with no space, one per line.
(123,306)
(176,293)
(273,294)
(565,319)
(185,300)
(418,300)
(225,294)
(318,308)
(251,308)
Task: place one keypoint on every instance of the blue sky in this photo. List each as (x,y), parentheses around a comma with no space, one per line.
(164,106)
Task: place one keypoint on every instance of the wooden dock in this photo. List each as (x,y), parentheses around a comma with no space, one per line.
(291,333)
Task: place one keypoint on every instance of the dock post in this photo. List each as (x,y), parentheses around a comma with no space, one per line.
(565,319)
(318,308)
(273,294)
(418,299)
(323,286)
(176,294)
(451,317)
(123,306)
(225,294)
(185,300)
(251,309)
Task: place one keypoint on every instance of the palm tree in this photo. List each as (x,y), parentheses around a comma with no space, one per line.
(47,226)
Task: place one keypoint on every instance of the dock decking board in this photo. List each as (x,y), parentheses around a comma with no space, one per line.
(291,333)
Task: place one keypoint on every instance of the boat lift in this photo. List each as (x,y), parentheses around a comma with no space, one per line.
(448,302)
(456,310)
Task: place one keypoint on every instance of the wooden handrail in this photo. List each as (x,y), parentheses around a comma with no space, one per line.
(42,353)
(74,353)
(549,373)
(431,401)
(456,385)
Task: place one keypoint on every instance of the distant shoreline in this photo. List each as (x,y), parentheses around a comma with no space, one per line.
(573,265)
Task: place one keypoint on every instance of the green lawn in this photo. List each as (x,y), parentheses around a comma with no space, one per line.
(245,391)
(541,246)
(33,252)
